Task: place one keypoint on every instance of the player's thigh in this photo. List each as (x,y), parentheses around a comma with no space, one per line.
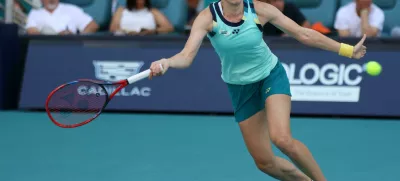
(256,137)
(278,108)
(277,97)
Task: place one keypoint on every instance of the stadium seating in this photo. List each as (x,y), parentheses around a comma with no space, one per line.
(160,3)
(25,5)
(391,9)
(1,10)
(392,17)
(318,10)
(1,15)
(174,10)
(99,10)
(207,2)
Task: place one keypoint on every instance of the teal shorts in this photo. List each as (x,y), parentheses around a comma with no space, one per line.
(249,99)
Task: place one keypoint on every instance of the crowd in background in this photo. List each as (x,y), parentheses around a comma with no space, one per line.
(138,17)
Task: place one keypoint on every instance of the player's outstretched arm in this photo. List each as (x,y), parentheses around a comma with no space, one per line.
(184,59)
(308,36)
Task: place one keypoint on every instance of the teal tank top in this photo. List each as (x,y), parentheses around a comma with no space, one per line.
(245,57)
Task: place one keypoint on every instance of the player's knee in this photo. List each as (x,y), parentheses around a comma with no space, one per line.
(266,165)
(284,142)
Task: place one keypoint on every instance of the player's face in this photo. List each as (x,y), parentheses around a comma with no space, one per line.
(279,4)
(50,4)
(234,2)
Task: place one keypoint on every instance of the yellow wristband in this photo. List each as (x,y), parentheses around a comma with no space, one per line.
(346,50)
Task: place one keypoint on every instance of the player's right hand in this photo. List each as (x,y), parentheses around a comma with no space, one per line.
(360,50)
(159,68)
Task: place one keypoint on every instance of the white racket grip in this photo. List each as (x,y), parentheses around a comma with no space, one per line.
(139,76)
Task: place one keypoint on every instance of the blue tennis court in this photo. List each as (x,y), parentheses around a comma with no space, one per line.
(139,147)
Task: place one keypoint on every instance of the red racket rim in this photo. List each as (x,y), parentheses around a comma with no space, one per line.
(78,124)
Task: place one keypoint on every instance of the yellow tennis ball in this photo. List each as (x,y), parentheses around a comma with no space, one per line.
(373,68)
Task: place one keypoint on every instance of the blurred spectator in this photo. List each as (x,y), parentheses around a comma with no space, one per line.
(139,18)
(288,9)
(358,18)
(59,18)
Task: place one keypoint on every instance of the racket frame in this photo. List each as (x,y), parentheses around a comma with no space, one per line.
(122,84)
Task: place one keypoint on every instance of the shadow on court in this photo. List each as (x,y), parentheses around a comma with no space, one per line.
(183,148)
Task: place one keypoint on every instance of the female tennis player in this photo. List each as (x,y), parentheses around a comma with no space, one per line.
(256,80)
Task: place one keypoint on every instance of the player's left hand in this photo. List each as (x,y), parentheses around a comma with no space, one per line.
(360,50)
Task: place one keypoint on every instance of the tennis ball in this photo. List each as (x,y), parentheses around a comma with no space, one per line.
(373,68)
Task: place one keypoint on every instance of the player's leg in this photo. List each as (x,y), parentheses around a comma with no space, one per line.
(249,111)
(256,137)
(278,115)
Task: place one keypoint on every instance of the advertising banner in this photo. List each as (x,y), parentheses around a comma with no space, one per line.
(322,83)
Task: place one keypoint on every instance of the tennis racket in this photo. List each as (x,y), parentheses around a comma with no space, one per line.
(79,102)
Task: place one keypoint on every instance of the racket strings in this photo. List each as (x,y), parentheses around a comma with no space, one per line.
(77,103)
